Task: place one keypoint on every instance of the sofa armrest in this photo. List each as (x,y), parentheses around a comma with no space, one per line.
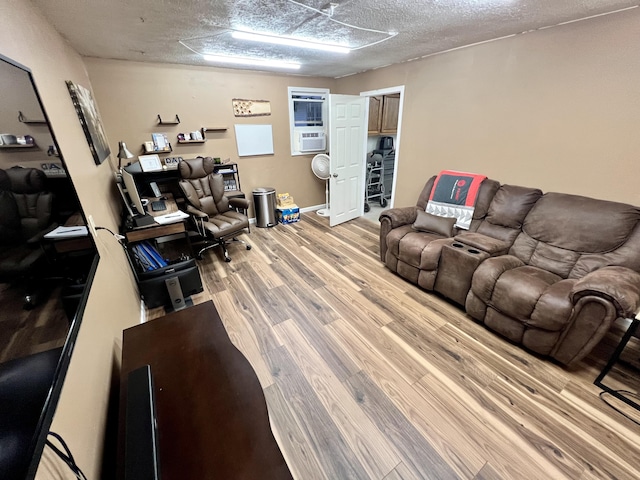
(394,218)
(492,246)
(399,216)
(620,285)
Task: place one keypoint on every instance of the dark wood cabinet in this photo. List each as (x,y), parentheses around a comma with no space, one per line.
(211,414)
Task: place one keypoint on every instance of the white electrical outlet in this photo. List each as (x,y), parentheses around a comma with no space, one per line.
(92,225)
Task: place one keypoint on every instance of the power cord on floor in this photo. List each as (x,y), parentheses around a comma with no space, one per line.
(620,392)
(66,456)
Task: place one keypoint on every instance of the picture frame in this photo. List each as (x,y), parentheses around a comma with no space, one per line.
(90,121)
(150,163)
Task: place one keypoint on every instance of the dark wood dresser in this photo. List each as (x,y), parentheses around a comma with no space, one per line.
(211,413)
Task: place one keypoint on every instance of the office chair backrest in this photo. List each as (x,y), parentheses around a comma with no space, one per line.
(203,188)
(9,216)
(33,201)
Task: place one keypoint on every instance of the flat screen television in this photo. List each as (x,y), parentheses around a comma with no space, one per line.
(32,376)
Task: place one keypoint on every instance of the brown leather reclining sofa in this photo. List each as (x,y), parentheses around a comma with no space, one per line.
(550,272)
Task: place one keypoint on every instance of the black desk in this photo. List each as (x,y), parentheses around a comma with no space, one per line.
(211,412)
(631,330)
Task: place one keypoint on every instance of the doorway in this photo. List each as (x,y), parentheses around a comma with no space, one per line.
(385,125)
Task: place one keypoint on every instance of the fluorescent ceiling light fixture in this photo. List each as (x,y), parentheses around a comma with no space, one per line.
(252,61)
(291,42)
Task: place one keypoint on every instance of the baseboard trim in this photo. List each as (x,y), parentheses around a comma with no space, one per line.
(312,208)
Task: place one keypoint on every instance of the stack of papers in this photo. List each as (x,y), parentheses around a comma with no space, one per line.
(172,217)
(67,232)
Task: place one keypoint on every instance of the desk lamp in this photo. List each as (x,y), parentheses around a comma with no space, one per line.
(123,152)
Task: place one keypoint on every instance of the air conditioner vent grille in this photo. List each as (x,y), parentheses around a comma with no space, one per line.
(312,141)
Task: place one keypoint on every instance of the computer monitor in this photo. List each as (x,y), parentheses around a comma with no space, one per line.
(132,190)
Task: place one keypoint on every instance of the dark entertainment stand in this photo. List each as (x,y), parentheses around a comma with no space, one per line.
(212,419)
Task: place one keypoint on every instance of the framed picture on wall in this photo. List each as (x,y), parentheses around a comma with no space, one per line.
(90,121)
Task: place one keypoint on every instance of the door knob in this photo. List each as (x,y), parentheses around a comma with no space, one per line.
(335,175)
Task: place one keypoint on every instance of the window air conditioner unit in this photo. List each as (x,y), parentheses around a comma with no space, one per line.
(312,141)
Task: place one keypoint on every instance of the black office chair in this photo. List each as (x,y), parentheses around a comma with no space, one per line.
(215,216)
(25,217)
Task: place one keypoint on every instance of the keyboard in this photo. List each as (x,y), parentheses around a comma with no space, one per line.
(158,206)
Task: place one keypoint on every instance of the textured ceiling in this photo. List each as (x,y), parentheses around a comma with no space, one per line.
(172,31)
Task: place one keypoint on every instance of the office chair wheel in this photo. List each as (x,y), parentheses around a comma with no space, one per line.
(366,207)
(383,202)
(248,247)
(227,258)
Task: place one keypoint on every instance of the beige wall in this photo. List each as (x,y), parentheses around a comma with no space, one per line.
(557,109)
(131,95)
(26,37)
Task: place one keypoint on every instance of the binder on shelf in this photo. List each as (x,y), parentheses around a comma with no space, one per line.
(147,257)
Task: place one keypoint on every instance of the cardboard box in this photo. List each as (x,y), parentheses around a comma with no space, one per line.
(285,200)
(288,214)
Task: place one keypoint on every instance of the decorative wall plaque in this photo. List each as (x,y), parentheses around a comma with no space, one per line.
(251,108)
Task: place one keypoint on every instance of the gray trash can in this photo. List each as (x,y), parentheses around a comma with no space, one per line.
(264,203)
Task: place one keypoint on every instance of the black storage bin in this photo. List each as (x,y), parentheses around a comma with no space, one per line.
(152,285)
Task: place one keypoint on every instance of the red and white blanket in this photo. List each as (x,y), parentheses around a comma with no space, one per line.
(454,194)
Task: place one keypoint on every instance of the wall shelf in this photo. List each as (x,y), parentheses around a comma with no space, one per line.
(204,130)
(182,142)
(164,150)
(23,119)
(170,122)
(30,145)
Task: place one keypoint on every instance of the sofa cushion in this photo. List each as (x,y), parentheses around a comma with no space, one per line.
(517,291)
(427,222)
(554,307)
(511,204)
(412,245)
(577,223)
(507,211)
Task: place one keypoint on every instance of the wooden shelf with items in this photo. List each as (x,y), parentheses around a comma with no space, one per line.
(383,113)
(170,122)
(195,136)
(23,119)
(164,150)
(17,145)
(198,136)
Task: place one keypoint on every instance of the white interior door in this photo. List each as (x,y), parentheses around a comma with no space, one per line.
(347,145)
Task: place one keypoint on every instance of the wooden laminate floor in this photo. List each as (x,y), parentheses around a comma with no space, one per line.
(368,377)
(24,332)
